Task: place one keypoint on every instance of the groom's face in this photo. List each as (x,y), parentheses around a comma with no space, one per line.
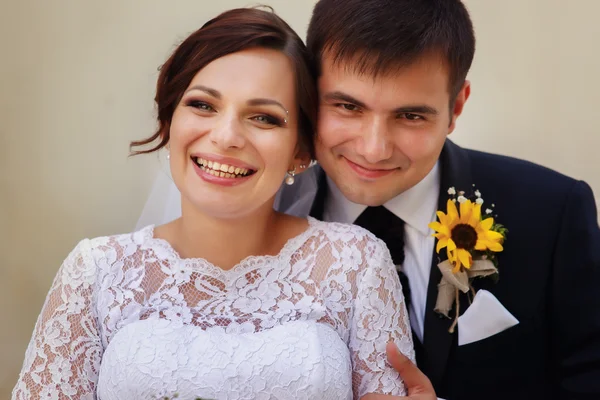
(379,136)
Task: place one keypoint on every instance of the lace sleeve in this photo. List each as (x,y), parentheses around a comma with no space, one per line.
(63,356)
(379,316)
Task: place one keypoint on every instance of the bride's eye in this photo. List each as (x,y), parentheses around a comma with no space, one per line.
(200,105)
(265,119)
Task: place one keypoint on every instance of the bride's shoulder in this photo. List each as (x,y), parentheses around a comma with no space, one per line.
(122,243)
(344,233)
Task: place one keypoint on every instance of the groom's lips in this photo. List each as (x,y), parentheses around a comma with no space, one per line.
(368,173)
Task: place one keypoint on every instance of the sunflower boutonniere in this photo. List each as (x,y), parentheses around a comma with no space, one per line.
(472,240)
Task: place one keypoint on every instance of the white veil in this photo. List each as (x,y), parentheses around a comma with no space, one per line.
(164,202)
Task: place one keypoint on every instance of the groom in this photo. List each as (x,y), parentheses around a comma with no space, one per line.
(392,85)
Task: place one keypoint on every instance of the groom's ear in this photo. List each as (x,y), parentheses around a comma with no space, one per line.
(458,105)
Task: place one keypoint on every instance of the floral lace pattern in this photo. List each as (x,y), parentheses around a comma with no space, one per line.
(335,275)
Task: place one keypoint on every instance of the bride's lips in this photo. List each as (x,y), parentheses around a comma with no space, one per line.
(224,171)
(368,173)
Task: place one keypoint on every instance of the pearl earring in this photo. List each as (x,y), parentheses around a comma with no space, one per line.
(289,178)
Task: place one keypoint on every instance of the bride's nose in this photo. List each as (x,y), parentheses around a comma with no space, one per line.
(228,132)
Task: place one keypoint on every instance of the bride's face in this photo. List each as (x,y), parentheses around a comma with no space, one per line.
(234,133)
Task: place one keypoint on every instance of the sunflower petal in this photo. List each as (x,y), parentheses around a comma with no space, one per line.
(464,257)
(456,267)
(442,217)
(475,215)
(440,236)
(486,224)
(497,247)
(493,236)
(436,226)
(453,258)
(466,208)
(441,244)
(481,245)
(451,245)
(452,212)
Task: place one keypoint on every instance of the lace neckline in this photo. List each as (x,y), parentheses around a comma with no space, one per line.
(168,252)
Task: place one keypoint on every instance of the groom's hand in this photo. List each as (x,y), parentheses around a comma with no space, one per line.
(419,387)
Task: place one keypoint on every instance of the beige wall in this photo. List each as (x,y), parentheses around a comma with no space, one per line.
(536,84)
(76,85)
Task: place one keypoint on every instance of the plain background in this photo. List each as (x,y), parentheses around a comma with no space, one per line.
(77,83)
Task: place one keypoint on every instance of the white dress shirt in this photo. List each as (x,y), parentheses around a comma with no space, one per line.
(416,207)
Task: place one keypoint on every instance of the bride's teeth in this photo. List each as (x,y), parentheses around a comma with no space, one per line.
(221,170)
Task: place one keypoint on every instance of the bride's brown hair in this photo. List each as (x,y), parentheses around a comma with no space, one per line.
(232,31)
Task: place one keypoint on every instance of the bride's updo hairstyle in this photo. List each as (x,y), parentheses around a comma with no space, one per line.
(230,32)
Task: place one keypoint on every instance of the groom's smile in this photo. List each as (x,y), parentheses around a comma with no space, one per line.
(369,173)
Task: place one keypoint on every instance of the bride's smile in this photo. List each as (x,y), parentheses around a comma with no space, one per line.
(232,173)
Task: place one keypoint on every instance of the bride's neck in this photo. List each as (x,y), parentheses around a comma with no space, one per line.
(224,242)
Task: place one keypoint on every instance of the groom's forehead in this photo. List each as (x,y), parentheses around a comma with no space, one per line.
(357,69)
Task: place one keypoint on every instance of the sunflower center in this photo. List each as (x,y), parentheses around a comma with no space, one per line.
(464,236)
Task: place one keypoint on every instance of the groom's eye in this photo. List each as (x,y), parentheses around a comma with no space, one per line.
(411,117)
(348,106)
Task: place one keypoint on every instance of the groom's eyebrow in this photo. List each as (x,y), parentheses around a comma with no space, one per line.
(346,98)
(416,109)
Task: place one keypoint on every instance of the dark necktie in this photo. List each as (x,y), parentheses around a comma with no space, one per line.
(390,228)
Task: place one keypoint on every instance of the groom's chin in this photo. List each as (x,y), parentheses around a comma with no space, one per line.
(373,193)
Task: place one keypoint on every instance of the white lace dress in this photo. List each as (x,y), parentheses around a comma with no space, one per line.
(127,318)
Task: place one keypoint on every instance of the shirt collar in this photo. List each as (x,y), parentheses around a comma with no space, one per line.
(416,206)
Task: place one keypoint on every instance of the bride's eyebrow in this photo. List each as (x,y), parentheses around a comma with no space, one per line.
(262,102)
(210,91)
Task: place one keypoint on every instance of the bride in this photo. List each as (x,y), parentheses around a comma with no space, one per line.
(232,300)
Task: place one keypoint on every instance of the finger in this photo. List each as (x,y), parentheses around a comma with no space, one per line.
(413,378)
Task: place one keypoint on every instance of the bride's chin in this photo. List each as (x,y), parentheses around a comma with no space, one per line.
(218,207)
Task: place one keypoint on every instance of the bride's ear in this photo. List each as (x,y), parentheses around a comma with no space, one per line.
(302,162)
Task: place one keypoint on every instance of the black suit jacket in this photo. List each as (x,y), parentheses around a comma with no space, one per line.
(549,279)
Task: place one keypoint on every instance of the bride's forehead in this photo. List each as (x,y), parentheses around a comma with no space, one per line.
(254,66)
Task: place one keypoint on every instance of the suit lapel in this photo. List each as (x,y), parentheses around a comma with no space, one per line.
(456,172)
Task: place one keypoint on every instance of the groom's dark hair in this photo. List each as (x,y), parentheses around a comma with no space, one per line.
(379,36)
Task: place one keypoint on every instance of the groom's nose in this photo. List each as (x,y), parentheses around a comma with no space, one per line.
(375,143)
